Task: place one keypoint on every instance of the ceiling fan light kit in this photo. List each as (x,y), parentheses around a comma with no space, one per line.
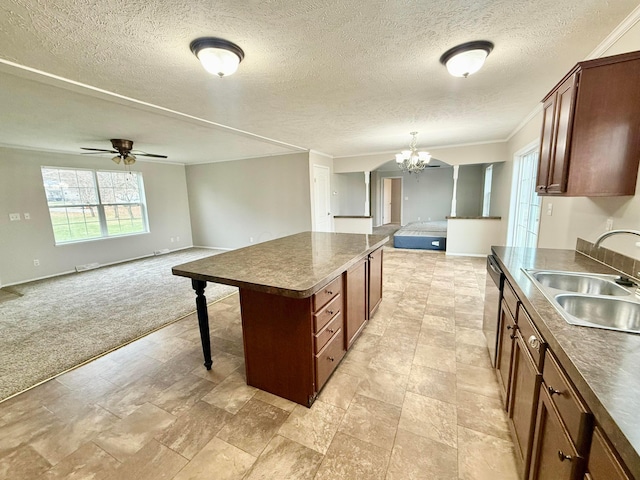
(466,59)
(218,56)
(122,148)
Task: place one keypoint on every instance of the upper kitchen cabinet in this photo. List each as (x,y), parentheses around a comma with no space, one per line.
(591,130)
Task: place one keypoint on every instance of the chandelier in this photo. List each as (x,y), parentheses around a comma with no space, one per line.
(412,161)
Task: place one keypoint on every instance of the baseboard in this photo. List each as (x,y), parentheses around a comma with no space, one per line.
(215,248)
(100,266)
(479,255)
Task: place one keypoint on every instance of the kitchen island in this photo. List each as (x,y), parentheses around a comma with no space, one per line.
(601,365)
(304,300)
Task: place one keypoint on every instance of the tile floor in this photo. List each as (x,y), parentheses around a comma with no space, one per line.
(415,398)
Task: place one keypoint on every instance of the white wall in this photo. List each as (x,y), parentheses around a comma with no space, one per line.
(21,191)
(232,203)
(350,193)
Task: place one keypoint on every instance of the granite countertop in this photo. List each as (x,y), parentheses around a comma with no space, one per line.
(602,364)
(295,266)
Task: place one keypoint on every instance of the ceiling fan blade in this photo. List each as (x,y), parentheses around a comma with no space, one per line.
(96,153)
(154,155)
(99,150)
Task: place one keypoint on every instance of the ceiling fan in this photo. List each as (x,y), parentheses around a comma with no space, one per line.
(123,150)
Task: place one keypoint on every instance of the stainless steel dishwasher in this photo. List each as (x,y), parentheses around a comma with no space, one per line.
(492,299)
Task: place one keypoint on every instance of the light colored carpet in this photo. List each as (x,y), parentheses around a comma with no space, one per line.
(49,326)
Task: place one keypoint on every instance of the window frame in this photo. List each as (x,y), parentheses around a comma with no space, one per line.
(100,206)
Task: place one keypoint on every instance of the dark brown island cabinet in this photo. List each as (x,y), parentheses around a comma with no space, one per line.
(296,331)
(551,426)
(590,142)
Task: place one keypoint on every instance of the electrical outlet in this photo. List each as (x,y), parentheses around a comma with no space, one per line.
(36,262)
(177,239)
(609,226)
(171,240)
(549,209)
(14,217)
(418,218)
(27,216)
(251,239)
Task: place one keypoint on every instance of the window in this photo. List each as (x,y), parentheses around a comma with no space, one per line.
(486,201)
(88,204)
(526,218)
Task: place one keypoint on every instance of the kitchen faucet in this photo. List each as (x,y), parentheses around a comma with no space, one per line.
(613,232)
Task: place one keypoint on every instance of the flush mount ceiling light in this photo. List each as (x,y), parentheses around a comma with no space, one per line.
(218,56)
(413,161)
(466,59)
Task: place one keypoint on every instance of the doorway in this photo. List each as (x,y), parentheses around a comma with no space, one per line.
(322,199)
(392,201)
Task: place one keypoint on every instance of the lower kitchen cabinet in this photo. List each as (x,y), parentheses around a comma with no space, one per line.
(355,283)
(554,455)
(375,281)
(523,399)
(603,462)
(504,356)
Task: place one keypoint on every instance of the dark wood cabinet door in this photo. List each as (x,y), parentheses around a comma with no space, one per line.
(356,293)
(523,400)
(603,462)
(554,456)
(546,143)
(375,281)
(558,169)
(505,349)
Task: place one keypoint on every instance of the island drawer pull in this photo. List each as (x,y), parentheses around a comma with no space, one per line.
(563,456)
(553,391)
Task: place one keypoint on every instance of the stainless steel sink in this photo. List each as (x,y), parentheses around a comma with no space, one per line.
(580,283)
(590,300)
(603,312)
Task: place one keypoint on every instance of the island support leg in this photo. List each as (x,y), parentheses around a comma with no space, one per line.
(203,320)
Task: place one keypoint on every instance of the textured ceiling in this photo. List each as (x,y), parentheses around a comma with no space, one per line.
(342,77)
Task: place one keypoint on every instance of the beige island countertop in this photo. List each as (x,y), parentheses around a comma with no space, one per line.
(294,266)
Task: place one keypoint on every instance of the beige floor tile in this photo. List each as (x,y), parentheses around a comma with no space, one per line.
(231,394)
(224,364)
(419,458)
(470,336)
(433,383)
(372,421)
(437,338)
(284,458)
(127,399)
(131,433)
(469,320)
(478,380)
(80,423)
(350,458)
(440,311)
(483,414)
(429,418)
(217,458)
(469,303)
(313,427)
(397,356)
(436,322)
(22,463)
(388,387)
(153,462)
(485,457)
(87,462)
(339,390)
(276,401)
(253,426)
(473,355)
(194,429)
(183,394)
(27,426)
(435,357)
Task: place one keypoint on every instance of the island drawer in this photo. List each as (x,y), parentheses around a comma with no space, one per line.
(327,312)
(328,358)
(510,298)
(327,332)
(532,338)
(327,292)
(573,412)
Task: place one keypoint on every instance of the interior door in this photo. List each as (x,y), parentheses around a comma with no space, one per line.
(322,199)
(386,199)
